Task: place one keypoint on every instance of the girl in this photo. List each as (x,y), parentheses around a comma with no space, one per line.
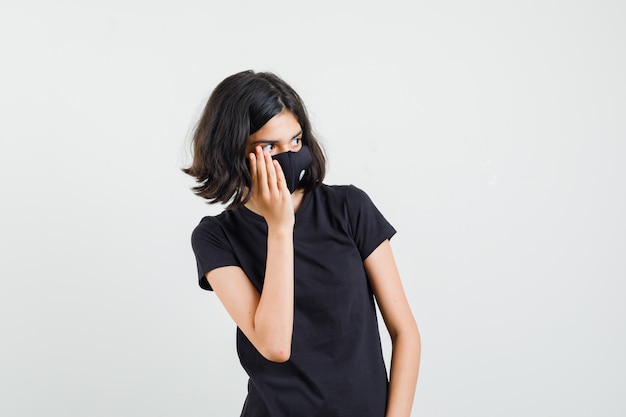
(297,263)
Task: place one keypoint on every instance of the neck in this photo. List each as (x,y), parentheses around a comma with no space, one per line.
(297,198)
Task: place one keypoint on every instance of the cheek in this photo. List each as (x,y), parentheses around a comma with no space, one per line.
(249,149)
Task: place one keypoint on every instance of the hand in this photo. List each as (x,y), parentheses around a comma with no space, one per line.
(270,196)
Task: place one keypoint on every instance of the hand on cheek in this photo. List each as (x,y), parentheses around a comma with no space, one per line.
(270,195)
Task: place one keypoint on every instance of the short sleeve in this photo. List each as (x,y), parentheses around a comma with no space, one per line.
(212,250)
(368,226)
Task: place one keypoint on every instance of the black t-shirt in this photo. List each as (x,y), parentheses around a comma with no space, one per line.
(336,366)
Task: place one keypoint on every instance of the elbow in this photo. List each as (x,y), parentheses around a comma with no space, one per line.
(276,354)
(274,344)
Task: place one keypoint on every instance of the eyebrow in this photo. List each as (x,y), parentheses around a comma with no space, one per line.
(274,140)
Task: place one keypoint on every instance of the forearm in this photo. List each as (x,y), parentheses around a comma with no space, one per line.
(273,320)
(405,361)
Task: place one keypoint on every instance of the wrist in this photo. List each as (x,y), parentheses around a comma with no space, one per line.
(280,229)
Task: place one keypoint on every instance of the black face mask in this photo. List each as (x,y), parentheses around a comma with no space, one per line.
(294,164)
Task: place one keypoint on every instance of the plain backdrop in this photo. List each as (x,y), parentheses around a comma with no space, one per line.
(491,134)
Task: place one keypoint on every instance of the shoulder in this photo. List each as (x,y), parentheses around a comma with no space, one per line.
(350,197)
(347,192)
(364,222)
(209,228)
(208,223)
(349,201)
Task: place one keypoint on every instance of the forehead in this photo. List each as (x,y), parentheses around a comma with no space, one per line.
(283,126)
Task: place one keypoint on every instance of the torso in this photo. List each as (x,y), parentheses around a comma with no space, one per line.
(336,366)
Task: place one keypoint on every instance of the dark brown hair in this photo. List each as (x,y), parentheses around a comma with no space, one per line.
(239,106)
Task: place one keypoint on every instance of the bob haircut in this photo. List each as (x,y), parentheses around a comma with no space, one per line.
(238,107)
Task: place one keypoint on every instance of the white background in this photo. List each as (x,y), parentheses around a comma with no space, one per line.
(490,133)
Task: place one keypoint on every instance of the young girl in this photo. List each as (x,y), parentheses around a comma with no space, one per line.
(297,263)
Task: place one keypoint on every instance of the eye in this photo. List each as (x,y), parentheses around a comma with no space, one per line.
(295,142)
(268,147)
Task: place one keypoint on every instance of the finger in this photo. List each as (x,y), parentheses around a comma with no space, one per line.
(280,177)
(261,169)
(253,173)
(271,170)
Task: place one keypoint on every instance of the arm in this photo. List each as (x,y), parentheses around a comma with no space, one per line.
(267,318)
(406,346)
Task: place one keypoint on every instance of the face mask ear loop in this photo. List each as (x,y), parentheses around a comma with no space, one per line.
(292,169)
